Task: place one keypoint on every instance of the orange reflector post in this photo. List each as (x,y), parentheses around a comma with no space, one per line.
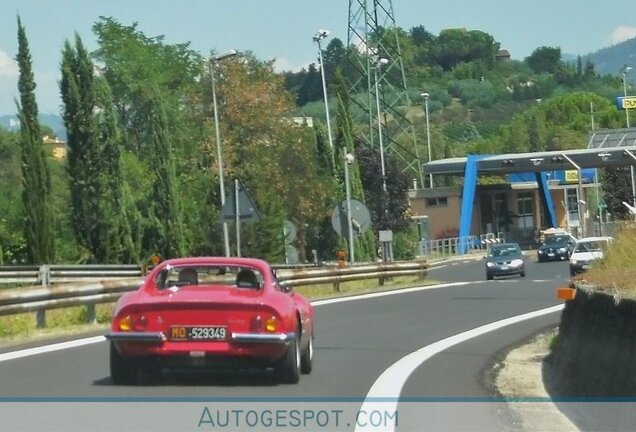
(565,293)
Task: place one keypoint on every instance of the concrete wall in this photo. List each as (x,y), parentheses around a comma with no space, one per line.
(595,354)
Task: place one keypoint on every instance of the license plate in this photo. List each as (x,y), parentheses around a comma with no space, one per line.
(504,267)
(198,333)
(551,254)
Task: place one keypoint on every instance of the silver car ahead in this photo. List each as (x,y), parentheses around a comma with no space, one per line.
(505,259)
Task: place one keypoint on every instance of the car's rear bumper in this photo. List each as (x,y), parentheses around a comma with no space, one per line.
(238,345)
(578,268)
(508,272)
(141,337)
(157,337)
(262,337)
(556,256)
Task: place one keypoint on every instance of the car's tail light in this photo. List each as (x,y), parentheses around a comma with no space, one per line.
(257,324)
(271,324)
(126,323)
(141,323)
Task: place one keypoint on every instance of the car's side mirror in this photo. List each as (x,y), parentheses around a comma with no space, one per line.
(286,288)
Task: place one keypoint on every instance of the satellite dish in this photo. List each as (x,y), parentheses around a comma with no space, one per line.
(360,218)
(289,231)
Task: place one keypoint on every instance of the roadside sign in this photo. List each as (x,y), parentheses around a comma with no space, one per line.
(247,208)
(626,102)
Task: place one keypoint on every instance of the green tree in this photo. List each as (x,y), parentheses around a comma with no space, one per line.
(544,59)
(100,220)
(83,154)
(119,218)
(534,139)
(164,234)
(389,211)
(36,179)
(365,243)
(616,189)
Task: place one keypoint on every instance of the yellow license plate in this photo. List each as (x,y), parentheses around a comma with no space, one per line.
(197,333)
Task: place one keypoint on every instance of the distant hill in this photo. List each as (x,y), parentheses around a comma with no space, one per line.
(53,121)
(610,60)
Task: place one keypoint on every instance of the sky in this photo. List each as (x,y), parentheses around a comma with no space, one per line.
(283,29)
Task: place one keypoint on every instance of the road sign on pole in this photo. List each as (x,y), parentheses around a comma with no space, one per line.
(246,206)
(626,102)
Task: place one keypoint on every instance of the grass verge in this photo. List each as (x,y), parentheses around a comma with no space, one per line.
(64,321)
(616,272)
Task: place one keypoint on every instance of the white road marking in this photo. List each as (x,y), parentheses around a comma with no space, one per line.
(387,388)
(50,348)
(386,293)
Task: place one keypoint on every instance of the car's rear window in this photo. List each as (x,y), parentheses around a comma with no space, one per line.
(208,276)
(555,239)
(504,250)
(590,246)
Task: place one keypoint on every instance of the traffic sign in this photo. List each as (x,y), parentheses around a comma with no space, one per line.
(626,102)
(247,208)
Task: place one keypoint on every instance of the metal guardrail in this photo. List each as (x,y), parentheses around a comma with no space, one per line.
(53,296)
(53,274)
(459,245)
(67,273)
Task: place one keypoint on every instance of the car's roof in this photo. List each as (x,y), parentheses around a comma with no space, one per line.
(216,260)
(591,239)
(506,245)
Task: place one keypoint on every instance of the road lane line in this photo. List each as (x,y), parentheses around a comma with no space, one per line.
(50,348)
(387,389)
(386,293)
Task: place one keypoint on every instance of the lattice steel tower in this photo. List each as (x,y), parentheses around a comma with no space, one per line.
(377,81)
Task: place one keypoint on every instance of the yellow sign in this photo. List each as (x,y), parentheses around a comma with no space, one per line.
(629,102)
(571,176)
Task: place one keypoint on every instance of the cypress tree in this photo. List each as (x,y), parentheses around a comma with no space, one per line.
(165,231)
(36,178)
(77,96)
(100,214)
(365,243)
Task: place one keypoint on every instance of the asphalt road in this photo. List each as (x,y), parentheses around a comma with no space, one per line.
(355,342)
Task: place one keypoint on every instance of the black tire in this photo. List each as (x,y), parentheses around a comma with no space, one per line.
(488,276)
(288,368)
(522,274)
(540,259)
(307,357)
(122,370)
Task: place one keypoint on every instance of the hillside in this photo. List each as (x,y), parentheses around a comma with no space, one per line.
(609,61)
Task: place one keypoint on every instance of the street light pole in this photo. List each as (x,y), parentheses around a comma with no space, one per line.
(219,155)
(624,72)
(348,160)
(379,63)
(322,34)
(428,136)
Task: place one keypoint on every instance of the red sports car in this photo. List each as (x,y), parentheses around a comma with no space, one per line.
(211,312)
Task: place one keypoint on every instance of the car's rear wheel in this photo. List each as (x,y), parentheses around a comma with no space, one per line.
(122,370)
(307,358)
(288,369)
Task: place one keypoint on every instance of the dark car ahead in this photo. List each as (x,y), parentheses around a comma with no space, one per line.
(505,259)
(556,247)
